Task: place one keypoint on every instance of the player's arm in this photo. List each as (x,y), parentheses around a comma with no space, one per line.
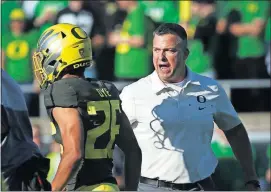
(70,126)
(127,142)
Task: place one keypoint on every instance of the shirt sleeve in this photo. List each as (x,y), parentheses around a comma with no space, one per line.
(225,116)
(128,104)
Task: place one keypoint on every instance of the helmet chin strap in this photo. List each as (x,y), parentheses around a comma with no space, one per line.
(58,62)
(44,86)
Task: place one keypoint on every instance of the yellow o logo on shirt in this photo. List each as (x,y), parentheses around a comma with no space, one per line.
(252,7)
(123,48)
(17,49)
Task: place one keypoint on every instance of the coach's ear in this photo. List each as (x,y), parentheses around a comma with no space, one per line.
(186,53)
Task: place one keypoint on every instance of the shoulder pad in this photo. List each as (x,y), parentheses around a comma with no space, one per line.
(111,87)
(60,94)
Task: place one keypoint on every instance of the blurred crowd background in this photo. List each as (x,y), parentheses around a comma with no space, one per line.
(228,40)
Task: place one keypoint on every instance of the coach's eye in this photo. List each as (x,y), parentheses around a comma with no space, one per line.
(172,51)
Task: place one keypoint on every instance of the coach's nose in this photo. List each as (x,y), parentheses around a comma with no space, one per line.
(162,56)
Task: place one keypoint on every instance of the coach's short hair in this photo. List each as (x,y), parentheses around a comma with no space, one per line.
(171,28)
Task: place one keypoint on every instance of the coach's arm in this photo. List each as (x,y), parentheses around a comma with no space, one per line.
(127,142)
(228,120)
(241,147)
(72,135)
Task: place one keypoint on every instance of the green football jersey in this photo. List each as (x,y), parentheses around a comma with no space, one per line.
(18,55)
(132,62)
(249,46)
(198,60)
(161,11)
(53,6)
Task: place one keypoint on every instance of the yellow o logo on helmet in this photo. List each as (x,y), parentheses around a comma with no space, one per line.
(79,33)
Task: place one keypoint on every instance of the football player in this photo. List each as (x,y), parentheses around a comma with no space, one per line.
(23,168)
(85,114)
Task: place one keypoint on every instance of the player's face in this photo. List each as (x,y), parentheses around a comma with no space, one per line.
(169,57)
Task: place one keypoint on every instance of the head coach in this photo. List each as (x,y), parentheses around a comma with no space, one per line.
(172,112)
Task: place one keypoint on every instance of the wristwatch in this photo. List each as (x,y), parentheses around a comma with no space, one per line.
(256,183)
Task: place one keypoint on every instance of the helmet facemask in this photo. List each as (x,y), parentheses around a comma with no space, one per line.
(39,71)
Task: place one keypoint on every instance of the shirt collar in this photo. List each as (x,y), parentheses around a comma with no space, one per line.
(158,85)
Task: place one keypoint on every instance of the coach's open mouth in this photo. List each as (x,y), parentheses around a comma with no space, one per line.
(164,67)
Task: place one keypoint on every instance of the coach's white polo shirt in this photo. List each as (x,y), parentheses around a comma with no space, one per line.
(174,125)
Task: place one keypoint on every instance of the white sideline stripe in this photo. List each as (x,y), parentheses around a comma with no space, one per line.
(226,84)
(246,83)
(259,136)
(238,83)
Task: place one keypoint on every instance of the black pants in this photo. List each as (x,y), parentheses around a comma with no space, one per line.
(147,184)
(30,176)
(246,100)
(250,68)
